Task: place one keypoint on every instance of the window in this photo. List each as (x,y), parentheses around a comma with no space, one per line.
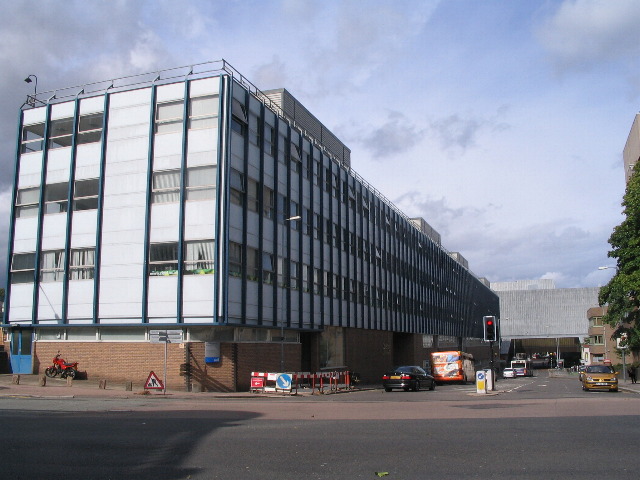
(316,172)
(295,157)
(253,264)
(198,257)
(316,226)
(163,259)
(23,267)
(169,116)
(267,267)
(82,264)
(90,128)
(61,133)
(235,259)
(52,266)
(32,138)
(267,202)
(27,202)
(597,340)
(293,274)
(282,208)
(201,183)
(238,118)
(252,195)
(237,189)
(306,275)
(269,140)
(254,130)
(85,195)
(282,272)
(595,322)
(317,275)
(165,186)
(308,165)
(203,111)
(55,198)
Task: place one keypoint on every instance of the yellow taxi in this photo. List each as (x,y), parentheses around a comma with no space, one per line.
(600,377)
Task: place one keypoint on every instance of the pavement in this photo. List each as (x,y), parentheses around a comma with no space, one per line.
(24,385)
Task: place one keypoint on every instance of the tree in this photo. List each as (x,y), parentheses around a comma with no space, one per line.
(622,294)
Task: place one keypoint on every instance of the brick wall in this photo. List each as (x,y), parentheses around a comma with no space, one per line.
(118,362)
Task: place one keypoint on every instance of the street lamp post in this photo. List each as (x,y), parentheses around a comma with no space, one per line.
(282,288)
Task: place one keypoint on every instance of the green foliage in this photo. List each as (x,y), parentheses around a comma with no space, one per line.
(1,294)
(622,294)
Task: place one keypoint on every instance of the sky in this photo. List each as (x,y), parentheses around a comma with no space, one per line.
(501,123)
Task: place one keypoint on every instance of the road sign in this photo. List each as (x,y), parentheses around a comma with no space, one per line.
(153,382)
(283,382)
(165,336)
(481,385)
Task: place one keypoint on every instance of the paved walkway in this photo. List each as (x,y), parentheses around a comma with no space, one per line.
(29,386)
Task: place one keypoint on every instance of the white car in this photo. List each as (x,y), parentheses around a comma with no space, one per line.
(509,373)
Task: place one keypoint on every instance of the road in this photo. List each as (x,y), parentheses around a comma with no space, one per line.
(532,428)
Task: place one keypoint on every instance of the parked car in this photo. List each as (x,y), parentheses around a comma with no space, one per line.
(408,378)
(600,377)
(509,373)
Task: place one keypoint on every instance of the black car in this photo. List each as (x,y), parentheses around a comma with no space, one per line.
(408,378)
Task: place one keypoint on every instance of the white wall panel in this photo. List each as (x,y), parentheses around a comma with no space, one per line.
(129,98)
(54,231)
(30,169)
(25,234)
(120,297)
(21,301)
(164,162)
(172,91)
(206,86)
(168,144)
(124,255)
(164,222)
(88,155)
(200,218)
(126,151)
(84,228)
(80,299)
(198,295)
(63,110)
(34,115)
(58,165)
(163,296)
(50,301)
(91,105)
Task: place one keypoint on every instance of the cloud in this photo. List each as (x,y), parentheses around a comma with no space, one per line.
(556,249)
(583,34)
(396,136)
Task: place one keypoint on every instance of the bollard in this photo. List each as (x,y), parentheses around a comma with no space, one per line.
(128,386)
(43,381)
(15,379)
(69,381)
(196,388)
(102,385)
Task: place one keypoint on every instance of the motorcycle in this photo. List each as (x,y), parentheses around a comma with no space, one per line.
(62,368)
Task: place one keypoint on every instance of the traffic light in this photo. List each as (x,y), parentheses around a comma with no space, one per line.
(490,334)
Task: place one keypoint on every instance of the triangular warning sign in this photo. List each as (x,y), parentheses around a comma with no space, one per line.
(153,382)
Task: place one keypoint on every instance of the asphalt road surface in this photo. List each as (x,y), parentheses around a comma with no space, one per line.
(532,429)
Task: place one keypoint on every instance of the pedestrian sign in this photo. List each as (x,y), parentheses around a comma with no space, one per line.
(153,382)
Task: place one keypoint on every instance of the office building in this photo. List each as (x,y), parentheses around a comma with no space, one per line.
(190,201)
